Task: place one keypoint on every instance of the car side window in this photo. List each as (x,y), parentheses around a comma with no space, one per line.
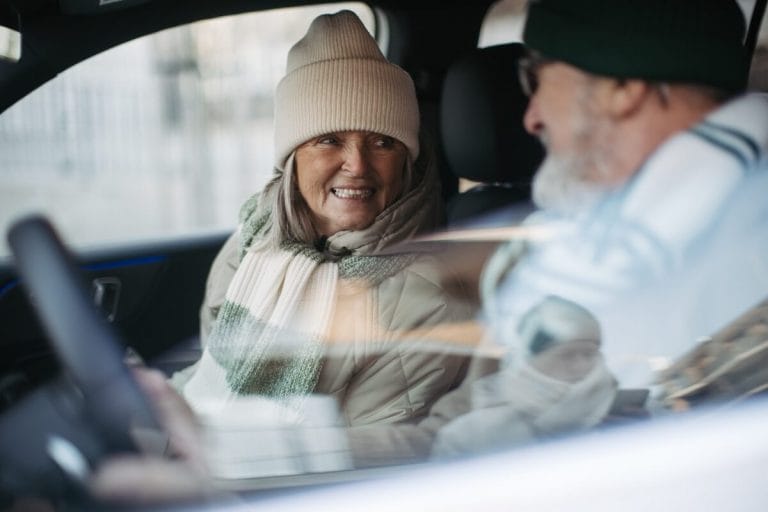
(164,136)
(758,73)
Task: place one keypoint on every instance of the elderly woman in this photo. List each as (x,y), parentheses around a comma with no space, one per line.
(299,301)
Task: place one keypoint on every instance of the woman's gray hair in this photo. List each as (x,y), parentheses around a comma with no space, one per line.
(291,217)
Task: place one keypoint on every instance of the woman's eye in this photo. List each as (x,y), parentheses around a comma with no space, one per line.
(327,139)
(384,142)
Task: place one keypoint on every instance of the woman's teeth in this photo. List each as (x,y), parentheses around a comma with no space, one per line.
(352,193)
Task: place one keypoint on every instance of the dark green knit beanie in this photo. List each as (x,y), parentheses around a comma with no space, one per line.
(689,41)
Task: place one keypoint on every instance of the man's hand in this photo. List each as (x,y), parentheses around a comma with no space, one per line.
(178,475)
(570,361)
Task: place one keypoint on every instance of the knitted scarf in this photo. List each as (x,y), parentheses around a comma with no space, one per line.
(268,338)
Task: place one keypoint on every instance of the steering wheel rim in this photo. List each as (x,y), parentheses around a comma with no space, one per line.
(110,403)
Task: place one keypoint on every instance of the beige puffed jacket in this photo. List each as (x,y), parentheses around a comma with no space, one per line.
(396,375)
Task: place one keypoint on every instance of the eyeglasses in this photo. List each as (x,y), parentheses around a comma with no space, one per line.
(528,72)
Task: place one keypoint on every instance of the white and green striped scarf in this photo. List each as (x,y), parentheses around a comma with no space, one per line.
(269,335)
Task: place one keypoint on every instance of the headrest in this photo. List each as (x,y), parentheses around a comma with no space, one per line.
(482,118)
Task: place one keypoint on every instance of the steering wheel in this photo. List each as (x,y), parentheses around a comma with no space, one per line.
(52,439)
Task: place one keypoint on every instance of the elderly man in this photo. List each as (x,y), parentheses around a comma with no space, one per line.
(652,164)
(653,186)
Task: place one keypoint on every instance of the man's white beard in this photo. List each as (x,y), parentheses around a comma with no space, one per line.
(560,186)
(572,182)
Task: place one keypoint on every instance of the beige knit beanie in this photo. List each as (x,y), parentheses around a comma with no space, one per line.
(338,80)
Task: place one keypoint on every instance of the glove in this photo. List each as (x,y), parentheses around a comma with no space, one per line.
(560,339)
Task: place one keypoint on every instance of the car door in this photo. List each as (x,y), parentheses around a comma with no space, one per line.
(150,293)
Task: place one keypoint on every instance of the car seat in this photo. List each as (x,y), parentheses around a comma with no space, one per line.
(482,132)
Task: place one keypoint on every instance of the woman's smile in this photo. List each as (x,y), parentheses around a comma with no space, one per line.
(349,193)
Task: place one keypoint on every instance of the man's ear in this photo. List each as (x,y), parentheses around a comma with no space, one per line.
(626,96)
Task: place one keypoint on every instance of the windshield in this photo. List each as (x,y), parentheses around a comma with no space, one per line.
(333,250)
